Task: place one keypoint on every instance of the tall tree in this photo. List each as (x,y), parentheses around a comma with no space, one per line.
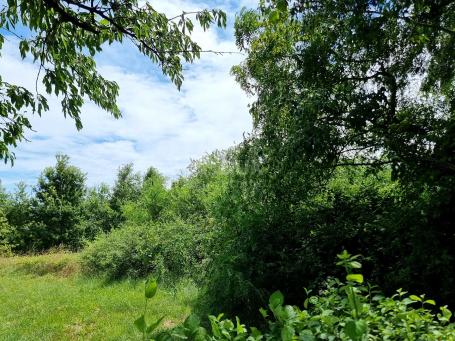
(64,36)
(355,85)
(97,213)
(127,188)
(354,82)
(59,195)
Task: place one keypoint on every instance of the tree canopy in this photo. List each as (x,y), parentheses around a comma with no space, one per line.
(63,38)
(353,83)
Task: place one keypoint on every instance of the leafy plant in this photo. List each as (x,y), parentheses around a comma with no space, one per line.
(165,249)
(344,310)
(151,286)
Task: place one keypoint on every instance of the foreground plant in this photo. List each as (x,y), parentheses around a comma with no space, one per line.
(344,310)
(145,328)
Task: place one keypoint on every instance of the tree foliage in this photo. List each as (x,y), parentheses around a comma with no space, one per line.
(351,148)
(58,198)
(63,38)
(353,82)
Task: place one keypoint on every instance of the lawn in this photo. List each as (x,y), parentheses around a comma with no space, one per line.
(47,298)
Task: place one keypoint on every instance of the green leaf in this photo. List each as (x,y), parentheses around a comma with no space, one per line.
(200,334)
(307,335)
(305,303)
(355,278)
(256,333)
(192,322)
(140,324)
(151,287)
(276,299)
(287,332)
(274,16)
(282,5)
(355,265)
(415,298)
(355,329)
(154,325)
(432,302)
(263,312)
(240,328)
(343,255)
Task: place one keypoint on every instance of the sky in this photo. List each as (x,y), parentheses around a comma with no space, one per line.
(161,126)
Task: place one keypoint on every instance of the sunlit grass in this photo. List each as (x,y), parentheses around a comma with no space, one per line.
(46,298)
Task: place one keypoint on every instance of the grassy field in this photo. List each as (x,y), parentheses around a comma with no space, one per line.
(46,298)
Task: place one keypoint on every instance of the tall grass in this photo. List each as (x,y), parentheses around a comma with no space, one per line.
(46,298)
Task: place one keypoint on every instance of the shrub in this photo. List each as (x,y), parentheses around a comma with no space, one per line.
(164,249)
(6,234)
(97,214)
(345,310)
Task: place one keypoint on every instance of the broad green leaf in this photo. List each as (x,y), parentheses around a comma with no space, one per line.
(415,298)
(355,265)
(432,302)
(151,287)
(287,332)
(154,325)
(307,335)
(192,322)
(140,324)
(355,329)
(355,278)
(276,299)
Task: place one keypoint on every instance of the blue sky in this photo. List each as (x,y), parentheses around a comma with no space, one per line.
(160,127)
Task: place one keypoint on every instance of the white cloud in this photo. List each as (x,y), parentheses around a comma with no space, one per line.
(161,126)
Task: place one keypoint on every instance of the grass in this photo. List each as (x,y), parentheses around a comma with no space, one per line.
(46,298)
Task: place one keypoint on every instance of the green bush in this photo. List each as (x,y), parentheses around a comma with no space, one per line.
(167,250)
(344,310)
(6,234)
(273,238)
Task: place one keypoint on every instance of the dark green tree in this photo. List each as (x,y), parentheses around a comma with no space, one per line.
(63,38)
(127,188)
(339,85)
(97,213)
(354,82)
(20,214)
(58,205)
(153,198)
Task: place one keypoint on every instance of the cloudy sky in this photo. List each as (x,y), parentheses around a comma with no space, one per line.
(160,127)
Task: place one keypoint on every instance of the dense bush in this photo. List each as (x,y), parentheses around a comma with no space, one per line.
(6,233)
(167,250)
(152,199)
(272,240)
(97,214)
(348,150)
(344,310)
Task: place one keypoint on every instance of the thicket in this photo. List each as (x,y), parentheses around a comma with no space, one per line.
(343,310)
(61,211)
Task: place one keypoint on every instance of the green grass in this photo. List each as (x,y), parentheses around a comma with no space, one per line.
(46,298)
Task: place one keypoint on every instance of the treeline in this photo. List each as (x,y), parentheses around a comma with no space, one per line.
(234,234)
(61,211)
